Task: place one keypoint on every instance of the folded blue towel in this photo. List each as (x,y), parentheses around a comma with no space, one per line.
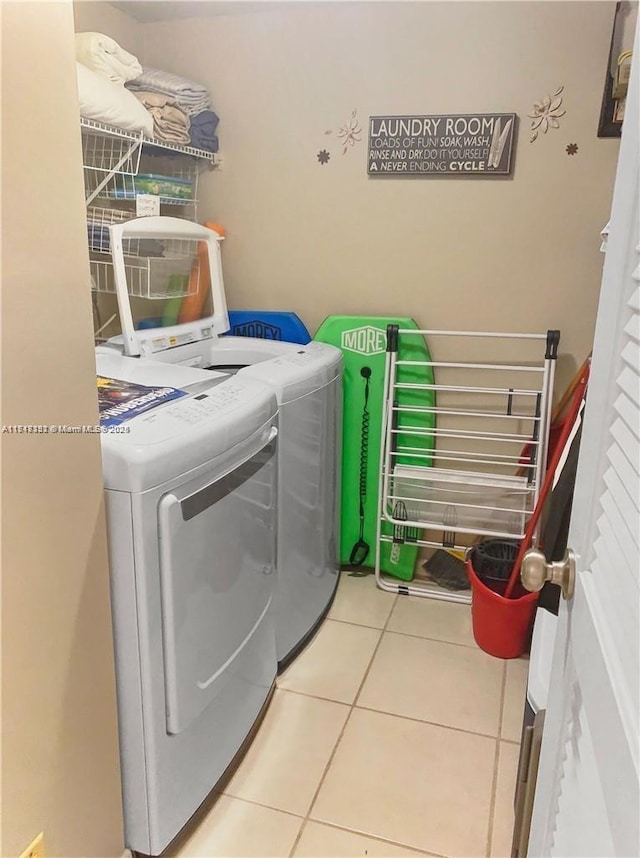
(209,144)
(205,120)
(202,130)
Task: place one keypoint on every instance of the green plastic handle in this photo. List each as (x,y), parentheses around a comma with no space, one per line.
(177,283)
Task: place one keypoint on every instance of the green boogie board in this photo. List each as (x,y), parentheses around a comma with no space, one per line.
(363,342)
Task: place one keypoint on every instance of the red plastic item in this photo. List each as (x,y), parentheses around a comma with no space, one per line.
(193,305)
(572,415)
(502,620)
(558,419)
(501,626)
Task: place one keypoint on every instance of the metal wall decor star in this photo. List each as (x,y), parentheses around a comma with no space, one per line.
(350,132)
(546,113)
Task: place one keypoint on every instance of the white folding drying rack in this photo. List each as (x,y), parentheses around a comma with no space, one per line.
(483,477)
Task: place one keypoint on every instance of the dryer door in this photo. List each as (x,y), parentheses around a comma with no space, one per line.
(217,564)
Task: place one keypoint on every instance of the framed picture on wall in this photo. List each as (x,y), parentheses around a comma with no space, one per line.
(617,73)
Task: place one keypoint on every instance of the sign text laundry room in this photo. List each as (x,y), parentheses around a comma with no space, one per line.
(459,145)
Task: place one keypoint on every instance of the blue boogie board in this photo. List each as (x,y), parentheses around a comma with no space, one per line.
(268,325)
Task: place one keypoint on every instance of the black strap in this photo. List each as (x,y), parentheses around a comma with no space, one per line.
(360,549)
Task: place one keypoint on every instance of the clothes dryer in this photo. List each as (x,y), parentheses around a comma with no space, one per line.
(307,381)
(191,510)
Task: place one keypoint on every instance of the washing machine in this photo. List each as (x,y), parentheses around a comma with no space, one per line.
(190,488)
(307,381)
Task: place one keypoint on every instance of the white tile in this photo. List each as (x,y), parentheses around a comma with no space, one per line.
(502,832)
(334,663)
(359,600)
(238,829)
(444,683)
(324,841)
(410,782)
(432,618)
(514,696)
(286,760)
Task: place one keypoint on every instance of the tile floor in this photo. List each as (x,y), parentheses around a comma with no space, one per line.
(392,734)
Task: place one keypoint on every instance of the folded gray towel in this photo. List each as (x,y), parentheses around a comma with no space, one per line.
(190,96)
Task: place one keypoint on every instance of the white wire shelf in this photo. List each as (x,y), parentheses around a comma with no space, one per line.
(115,161)
(173,180)
(123,195)
(98,222)
(176,185)
(100,219)
(100,129)
(153,277)
(107,149)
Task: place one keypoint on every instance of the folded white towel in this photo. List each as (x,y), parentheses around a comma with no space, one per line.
(104,56)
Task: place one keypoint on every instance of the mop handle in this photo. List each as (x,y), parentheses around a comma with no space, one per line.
(572,415)
(566,396)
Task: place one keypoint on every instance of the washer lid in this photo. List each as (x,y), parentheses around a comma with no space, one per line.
(112,363)
(211,414)
(178,262)
(291,369)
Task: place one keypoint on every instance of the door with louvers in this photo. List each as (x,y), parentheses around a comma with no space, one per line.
(587,797)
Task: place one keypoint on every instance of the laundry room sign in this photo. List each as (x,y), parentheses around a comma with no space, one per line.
(478,144)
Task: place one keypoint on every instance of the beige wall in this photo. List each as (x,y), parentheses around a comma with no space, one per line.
(98,16)
(520,254)
(60,771)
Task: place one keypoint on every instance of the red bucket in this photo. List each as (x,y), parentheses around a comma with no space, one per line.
(500,626)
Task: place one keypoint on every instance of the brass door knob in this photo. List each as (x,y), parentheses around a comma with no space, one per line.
(535,571)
